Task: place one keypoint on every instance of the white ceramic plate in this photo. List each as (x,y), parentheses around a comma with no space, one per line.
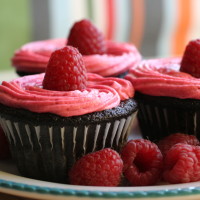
(12,183)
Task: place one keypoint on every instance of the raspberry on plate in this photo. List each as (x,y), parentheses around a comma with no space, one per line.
(182,164)
(100,168)
(143,162)
(65,71)
(191,59)
(4,147)
(166,143)
(87,38)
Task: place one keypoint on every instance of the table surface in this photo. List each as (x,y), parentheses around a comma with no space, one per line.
(11,197)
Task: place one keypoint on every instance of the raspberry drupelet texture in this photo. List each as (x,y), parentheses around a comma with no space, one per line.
(182,164)
(143,162)
(65,71)
(101,168)
(191,59)
(87,38)
(166,143)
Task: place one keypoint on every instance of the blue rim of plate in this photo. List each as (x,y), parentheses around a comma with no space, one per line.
(98,194)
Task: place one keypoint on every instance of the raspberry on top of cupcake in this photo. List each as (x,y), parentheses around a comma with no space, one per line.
(190,62)
(101,56)
(65,71)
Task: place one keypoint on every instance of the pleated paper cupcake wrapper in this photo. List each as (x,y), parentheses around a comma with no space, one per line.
(47,153)
(157,122)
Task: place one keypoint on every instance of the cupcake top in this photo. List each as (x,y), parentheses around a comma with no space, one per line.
(106,58)
(100,94)
(34,56)
(162,77)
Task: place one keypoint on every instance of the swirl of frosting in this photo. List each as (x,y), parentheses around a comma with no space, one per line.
(161,77)
(101,94)
(34,56)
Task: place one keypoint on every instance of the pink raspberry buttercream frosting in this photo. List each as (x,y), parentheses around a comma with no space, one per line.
(120,57)
(101,94)
(161,77)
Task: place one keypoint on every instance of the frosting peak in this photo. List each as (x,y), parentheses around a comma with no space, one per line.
(161,77)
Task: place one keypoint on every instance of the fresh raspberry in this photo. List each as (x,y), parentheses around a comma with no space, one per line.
(191,59)
(4,147)
(65,71)
(182,164)
(142,162)
(87,38)
(100,168)
(166,143)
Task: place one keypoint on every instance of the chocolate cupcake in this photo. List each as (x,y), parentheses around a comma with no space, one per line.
(48,130)
(104,57)
(168,99)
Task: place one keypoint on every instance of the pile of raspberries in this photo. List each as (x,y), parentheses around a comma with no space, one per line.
(174,159)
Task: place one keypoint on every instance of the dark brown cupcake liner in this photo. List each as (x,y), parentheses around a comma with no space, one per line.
(48,152)
(162,116)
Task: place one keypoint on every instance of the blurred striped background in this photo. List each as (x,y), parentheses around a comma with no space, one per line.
(159,28)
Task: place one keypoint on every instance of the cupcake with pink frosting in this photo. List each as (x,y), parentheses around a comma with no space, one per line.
(103,57)
(168,94)
(53,119)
